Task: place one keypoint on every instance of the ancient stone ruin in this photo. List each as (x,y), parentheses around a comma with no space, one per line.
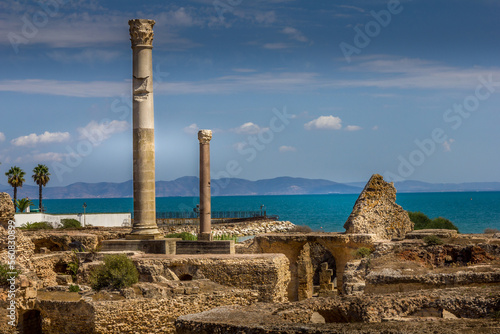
(6,209)
(376,212)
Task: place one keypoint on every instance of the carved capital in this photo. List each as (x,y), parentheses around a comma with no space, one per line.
(141,32)
(204,136)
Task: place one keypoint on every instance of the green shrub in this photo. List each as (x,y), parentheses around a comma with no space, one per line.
(74,266)
(182,235)
(432,240)
(5,273)
(420,220)
(363,252)
(70,223)
(443,223)
(423,222)
(74,288)
(117,272)
(37,226)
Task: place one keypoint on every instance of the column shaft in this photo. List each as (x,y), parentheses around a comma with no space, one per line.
(205,198)
(144,226)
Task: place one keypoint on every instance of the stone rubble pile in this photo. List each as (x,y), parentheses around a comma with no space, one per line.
(238,229)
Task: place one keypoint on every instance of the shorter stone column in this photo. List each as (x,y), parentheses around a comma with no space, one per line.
(204,136)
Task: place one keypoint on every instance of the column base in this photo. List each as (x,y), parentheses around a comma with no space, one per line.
(205,236)
(145,234)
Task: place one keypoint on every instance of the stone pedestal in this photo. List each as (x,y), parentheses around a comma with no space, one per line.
(161,246)
(204,136)
(144,227)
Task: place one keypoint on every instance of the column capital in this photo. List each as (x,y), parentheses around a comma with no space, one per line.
(141,32)
(204,136)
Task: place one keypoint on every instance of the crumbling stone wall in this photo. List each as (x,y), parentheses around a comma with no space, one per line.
(376,211)
(266,273)
(155,314)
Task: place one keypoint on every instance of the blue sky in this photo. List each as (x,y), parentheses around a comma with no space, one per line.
(319,89)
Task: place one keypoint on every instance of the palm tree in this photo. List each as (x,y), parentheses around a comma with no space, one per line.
(41,176)
(23,203)
(15,177)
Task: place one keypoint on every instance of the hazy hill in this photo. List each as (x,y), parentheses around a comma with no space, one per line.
(188,186)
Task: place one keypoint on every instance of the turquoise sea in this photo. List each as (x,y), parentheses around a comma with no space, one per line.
(472,212)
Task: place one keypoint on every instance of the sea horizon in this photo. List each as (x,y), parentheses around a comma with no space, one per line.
(471,212)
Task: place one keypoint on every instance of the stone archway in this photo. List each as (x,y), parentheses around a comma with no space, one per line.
(30,322)
(319,255)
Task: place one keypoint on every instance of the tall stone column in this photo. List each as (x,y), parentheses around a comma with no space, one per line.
(204,136)
(144,227)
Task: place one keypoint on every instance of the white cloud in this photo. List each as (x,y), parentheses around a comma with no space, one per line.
(407,74)
(375,128)
(294,34)
(353,128)
(276,46)
(280,82)
(66,88)
(192,129)
(285,148)
(178,18)
(2,137)
(44,138)
(447,144)
(324,123)
(49,156)
(244,70)
(361,10)
(85,56)
(96,133)
(249,128)
(265,17)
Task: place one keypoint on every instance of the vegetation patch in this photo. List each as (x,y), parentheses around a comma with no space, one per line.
(363,252)
(74,288)
(422,222)
(37,226)
(70,223)
(432,240)
(117,272)
(6,273)
(182,235)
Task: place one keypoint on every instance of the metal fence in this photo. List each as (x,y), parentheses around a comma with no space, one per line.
(214,214)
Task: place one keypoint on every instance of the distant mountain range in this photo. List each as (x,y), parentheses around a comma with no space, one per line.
(188,186)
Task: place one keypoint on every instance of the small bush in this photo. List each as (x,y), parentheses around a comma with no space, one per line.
(491,231)
(443,223)
(363,252)
(422,222)
(5,273)
(37,226)
(432,240)
(182,235)
(74,266)
(301,229)
(117,272)
(70,223)
(74,288)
